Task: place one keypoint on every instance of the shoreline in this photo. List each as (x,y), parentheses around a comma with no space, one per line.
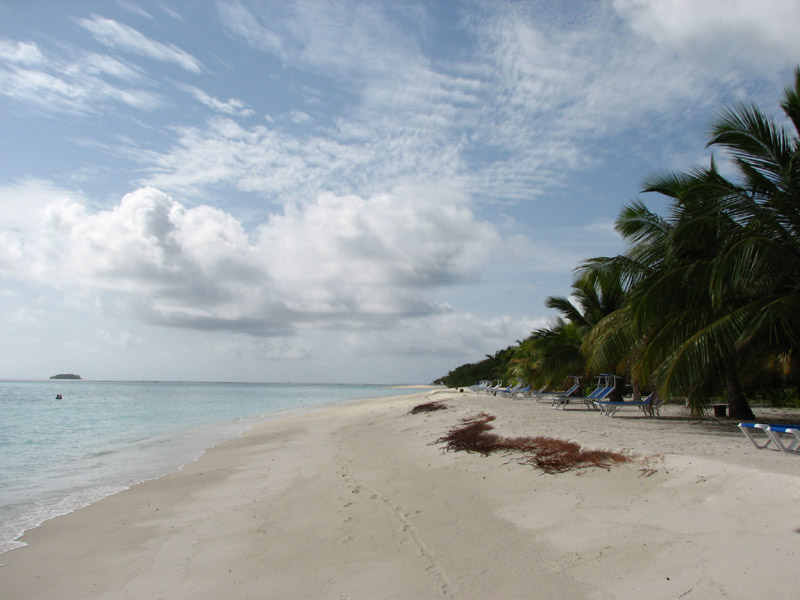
(354,501)
(170,452)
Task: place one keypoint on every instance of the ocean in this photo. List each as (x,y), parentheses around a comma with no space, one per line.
(58,455)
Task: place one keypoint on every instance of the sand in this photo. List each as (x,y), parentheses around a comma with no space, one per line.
(355,502)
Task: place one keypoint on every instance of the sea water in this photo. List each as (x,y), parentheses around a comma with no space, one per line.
(58,455)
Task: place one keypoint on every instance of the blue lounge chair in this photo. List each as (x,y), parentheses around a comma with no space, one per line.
(784,437)
(650,406)
(598,393)
(551,397)
(605,385)
(564,397)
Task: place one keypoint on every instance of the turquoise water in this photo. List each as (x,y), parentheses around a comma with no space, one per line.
(103,437)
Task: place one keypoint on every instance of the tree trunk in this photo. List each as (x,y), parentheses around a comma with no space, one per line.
(619,386)
(738,407)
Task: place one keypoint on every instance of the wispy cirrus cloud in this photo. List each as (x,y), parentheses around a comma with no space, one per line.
(135,8)
(232,106)
(70,84)
(514,119)
(22,53)
(353,157)
(118,35)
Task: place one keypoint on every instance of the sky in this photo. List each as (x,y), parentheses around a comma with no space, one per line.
(337,191)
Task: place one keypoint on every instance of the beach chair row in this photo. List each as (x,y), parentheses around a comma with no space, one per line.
(558,400)
(500,389)
(781,437)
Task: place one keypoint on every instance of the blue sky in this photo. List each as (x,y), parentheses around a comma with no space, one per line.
(333,191)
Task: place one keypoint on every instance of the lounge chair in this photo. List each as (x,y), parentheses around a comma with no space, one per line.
(518,391)
(543,396)
(490,389)
(510,391)
(529,393)
(564,396)
(650,406)
(480,386)
(774,434)
(598,393)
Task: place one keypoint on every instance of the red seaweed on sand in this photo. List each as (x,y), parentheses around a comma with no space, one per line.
(551,455)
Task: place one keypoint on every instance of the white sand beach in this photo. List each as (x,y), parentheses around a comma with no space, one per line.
(355,502)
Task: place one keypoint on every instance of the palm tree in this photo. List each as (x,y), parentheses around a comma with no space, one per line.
(761,268)
(559,348)
(719,283)
(614,340)
(689,348)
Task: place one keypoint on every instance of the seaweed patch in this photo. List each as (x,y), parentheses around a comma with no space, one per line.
(550,455)
(427,407)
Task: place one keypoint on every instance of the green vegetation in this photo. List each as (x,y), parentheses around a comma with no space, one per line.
(704,304)
(65,376)
(490,368)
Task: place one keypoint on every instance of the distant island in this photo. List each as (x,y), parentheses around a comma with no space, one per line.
(65,376)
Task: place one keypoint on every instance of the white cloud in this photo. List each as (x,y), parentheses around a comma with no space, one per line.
(27,315)
(761,34)
(118,339)
(57,84)
(25,198)
(135,8)
(237,348)
(277,163)
(100,64)
(117,35)
(345,262)
(513,121)
(241,22)
(456,336)
(25,53)
(232,106)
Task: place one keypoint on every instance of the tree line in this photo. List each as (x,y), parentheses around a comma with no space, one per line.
(704,303)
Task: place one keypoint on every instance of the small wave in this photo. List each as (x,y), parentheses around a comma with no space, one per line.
(31,516)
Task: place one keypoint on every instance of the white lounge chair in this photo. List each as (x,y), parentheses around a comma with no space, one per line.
(480,386)
(510,391)
(784,437)
(520,389)
(490,389)
(529,393)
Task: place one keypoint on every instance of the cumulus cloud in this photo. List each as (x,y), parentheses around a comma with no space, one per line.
(338,261)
